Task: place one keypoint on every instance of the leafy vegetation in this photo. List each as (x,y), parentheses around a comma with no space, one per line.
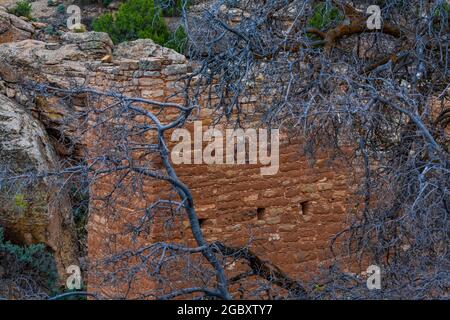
(324,16)
(50,30)
(61,9)
(22,9)
(177,40)
(106,3)
(442,9)
(173,8)
(31,267)
(140,19)
(20,202)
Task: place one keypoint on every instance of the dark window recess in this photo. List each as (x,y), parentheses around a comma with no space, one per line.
(201,221)
(305,207)
(260,213)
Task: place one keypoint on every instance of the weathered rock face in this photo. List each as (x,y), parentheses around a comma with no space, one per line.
(146,48)
(74,61)
(64,64)
(61,64)
(33,211)
(13,28)
(93,44)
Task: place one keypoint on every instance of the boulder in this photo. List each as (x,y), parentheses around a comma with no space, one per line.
(72,62)
(94,44)
(146,48)
(30,59)
(63,64)
(33,209)
(13,28)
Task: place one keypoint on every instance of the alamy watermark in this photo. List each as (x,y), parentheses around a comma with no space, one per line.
(73,281)
(231,151)
(374,21)
(373,281)
(74,20)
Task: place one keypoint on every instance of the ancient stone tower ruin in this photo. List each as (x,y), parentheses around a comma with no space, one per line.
(287,218)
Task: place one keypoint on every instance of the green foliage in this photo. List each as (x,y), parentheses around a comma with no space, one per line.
(50,30)
(443,9)
(106,3)
(31,262)
(61,9)
(135,19)
(319,287)
(177,40)
(325,16)
(106,23)
(51,3)
(139,19)
(22,9)
(80,29)
(20,202)
(441,15)
(173,8)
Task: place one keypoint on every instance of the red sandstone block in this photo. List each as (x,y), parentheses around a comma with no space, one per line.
(333,228)
(228,205)
(273,220)
(272,202)
(153,82)
(289,236)
(331,218)
(287,227)
(307,246)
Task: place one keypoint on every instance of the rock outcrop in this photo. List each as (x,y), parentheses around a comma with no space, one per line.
(38,213)
(75,61)
(33,209)
(146,48)
(13,28)
(64,64)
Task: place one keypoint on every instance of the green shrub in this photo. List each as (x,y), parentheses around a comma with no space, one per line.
(20,202)
(177,40)
(106,3)
(28,262)
(441,14)
(172,8)
(442,9)
(22,9)
(61,9)
(325,16)
(50,30)
(139,19)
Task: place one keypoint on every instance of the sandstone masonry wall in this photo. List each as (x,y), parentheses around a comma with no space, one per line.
(288,219)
